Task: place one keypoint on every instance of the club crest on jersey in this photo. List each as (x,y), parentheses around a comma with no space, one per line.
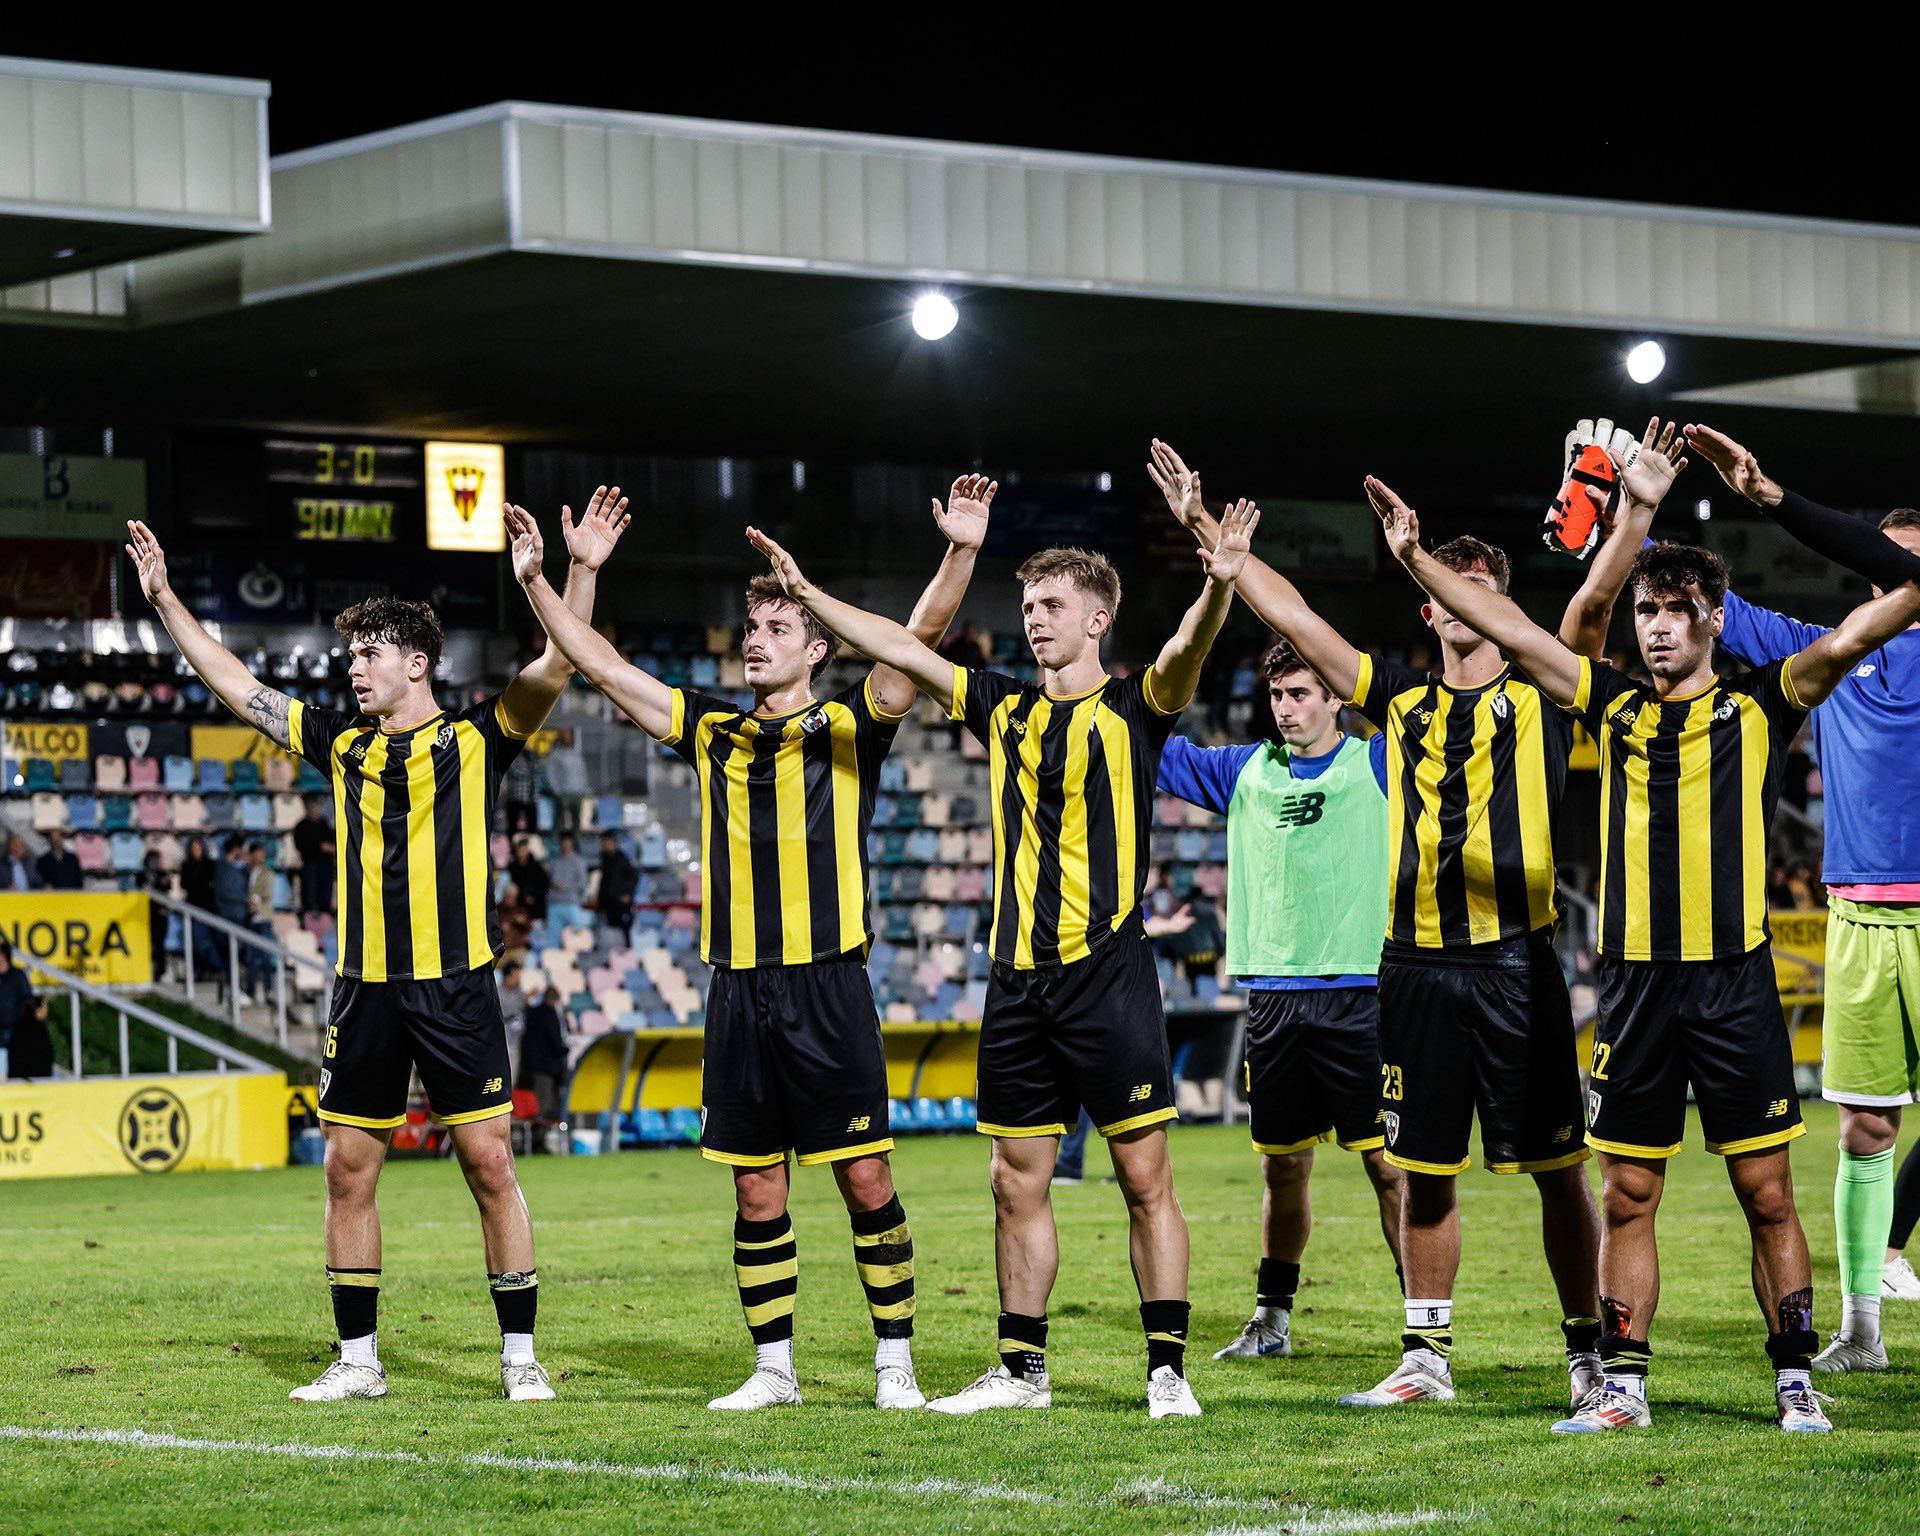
(816,719)
(1502,706)
(1726,709)
(1391,1119)
(445,738)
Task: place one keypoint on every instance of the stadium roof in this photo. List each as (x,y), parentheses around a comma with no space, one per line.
(556,274)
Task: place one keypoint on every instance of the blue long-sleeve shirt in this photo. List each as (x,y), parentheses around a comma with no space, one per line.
(1205,776)
(1867,739)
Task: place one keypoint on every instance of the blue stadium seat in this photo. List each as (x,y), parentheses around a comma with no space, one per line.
(213,776)
(900,1115)
(960,1114)
(931,1115)
(684,1124)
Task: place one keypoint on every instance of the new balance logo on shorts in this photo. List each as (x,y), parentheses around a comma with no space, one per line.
(1301,810)
(493,1085)
(1141,1094)
(1777,1107)
(859,1123)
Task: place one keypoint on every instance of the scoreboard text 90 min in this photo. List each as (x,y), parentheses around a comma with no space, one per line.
(346,491)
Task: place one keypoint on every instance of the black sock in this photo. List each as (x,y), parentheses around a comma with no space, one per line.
(356,1301)
(883,1254)
(1581,1333)
(766,1265)
(1622,1356)
(516,1299)
(1166,1325)
(1906,1200)
(1278,1281)
(1023,1344)
(1792,1348)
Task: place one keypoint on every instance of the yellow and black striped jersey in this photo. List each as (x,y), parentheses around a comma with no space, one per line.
(1474,780)
(785,805)
(1071,785)
(1688,788)
(411,814)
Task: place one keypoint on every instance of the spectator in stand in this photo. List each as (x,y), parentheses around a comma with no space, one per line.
(230,878)
(154,878)
(519,789)
(1779,894)
(530,881)
(313,841)
(1808,893)
(196,884)
(618,882)
(567,779)
(567,888)
(58,869)
(543,1053)
(259,917)
(16,870)
(513,1002)
(23,1022)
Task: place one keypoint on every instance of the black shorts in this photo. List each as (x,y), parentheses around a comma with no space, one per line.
(1313,1068)
(1486,1029)
(1092,1033)
(1713,1023)
(378,1032)
(794,1062)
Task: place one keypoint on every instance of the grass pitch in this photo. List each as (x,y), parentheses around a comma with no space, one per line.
(152,1329)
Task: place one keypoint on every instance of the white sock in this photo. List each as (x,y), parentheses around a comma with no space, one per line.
(1634,1386)
(1860,1319)
(1792,1379)
(1429,1313)
(1276,1318)
(777,1356)
(361,1351)
(894,1352)
(516,1348)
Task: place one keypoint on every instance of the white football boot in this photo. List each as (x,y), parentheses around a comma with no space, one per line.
(525,1382)
(998,1388)
(1846,1353)
(1586,1372)
(1898,1281)
(1170,1396)
(1801,1413)
(1258,1340)
(1606,1407)
(340,1381)
(1420,1375)
(763,1389)
(894,1386)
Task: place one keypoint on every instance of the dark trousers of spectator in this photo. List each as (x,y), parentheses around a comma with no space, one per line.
(520,816)
(316,887)
(1072,1160)
(622,924)
(209,954)
(257,963)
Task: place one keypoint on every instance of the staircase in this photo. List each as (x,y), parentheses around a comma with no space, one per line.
(288,1006)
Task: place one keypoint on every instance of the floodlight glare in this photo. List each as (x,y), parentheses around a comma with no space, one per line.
(1703,509)
(934,316)
(1645,361)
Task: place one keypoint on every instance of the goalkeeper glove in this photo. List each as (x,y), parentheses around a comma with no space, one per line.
(1598,454)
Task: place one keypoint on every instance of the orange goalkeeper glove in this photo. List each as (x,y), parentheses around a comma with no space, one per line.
(1597,454)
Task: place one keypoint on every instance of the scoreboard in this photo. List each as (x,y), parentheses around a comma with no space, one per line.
(342,491)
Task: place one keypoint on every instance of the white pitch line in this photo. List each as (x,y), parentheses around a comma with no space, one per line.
(1281,1519)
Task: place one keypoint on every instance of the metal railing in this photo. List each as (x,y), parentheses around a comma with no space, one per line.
(234,938)
(129,1013)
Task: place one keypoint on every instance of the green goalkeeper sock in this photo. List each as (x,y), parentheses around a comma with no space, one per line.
(1862,1212)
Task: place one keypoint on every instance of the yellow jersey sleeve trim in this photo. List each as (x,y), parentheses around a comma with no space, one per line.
(1146,692)
(957,698)
(1543,1164)
(507,725)
(1414,1165)
(1583,690)
(737,1160)
(1363,684)
(1757,1143)
(1136,1122)
(380,1123)
(470,1116)
(873,704)
(1287,1149)
(1786,684)
(986,1129)
(296,712)
(845,1154)
(1629,1149)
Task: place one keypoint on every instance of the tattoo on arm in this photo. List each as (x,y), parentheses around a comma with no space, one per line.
(266,712)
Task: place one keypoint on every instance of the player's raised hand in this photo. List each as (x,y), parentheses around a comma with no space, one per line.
(964,518)
(528,550)
(1224,560)
(1649,475)
(1180,485)
(591,539)
(1739,468)
(1399,521)
(784,565)
(149,561)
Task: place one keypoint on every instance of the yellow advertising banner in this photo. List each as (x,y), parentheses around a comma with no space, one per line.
(99,936)
(232,744)
(39,738)
(466,485)
(143,1124)
(1799,949)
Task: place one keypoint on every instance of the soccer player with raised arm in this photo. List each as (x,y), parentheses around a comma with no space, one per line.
(414,790)
(1073,1015)
(1690,775)
(1864,737)
(1306,887)
(794,1061)
(1473,1008)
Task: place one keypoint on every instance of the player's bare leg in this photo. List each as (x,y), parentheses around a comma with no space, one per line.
(1286,1220)
(1629,1267)
(1158,1247)
(354,1158)
(485,1153)
(883,1256)
(1430,1262)
(1570,1230)
(1782,1280)
(767,1266)
(1389,1190)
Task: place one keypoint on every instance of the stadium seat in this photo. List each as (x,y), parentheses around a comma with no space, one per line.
(109,773)
(213,776)
(143,773)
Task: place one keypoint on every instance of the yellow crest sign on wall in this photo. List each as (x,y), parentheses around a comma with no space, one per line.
(466,485)
(99,936)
